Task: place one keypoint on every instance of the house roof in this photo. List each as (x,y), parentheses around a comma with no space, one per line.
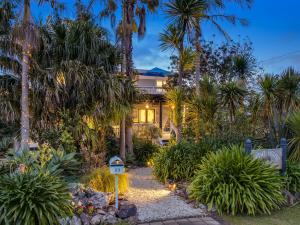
(155,72)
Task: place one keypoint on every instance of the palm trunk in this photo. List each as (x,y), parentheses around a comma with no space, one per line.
(129,6)
(178,108)
(25,83)
(197,57)
(122,140)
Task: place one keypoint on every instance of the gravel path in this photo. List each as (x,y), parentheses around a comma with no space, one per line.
(154,201)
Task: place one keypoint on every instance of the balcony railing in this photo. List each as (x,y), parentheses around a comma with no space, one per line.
(152,90)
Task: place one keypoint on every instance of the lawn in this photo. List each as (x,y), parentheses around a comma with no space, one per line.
(287,216)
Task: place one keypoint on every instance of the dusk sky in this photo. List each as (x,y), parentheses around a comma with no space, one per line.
(274,29)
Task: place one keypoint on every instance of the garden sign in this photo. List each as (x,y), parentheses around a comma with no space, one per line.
(116,167)
(276,156)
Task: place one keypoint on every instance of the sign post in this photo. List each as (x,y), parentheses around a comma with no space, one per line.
(116,167)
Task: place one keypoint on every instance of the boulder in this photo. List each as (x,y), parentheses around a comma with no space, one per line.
(76,221)
(126,210)
(99,200)
(85,219)
(97,219)
(109,219)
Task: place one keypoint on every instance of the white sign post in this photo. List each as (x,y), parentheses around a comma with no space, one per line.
(116,167)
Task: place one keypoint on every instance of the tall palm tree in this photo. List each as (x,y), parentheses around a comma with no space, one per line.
(24,40)
(232,96)
(132,11)
(190,14)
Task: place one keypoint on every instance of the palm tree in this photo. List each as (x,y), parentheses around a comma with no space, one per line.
(232,96)
(288,92)
(24,40)
(268,86)
(173,39)
(132,11)
(190,14)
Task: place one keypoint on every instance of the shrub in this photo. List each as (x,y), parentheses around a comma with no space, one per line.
(235,182)
(179,161)
(32,198)
(102,180)
(143,151)
(57,162)
(293,177)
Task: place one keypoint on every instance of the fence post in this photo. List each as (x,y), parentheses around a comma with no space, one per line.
(248,146)
(283,146)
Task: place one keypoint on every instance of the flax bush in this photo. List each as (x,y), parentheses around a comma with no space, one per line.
(179,161)
(235,182)
(33,199)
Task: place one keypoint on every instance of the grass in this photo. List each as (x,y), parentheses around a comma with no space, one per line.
(286,216)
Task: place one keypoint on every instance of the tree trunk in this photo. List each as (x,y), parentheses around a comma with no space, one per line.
(122,140)
(128,134)
(129,14)
(25,83)
(179,106)
(197,57)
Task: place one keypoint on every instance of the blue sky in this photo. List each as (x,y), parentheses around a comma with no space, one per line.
(274,29)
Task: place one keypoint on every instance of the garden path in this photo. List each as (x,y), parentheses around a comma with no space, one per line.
(154,202)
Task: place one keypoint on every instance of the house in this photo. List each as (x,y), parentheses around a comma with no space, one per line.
(154,111)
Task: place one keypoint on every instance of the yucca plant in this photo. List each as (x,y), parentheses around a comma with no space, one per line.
(33,198)
(234,182)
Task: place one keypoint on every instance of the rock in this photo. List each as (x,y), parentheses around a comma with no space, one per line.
(100,211)
(109,219)
(96,220)
(99,200)
(76,221)
(85,219)
(290,198)
(203,207)
(64,221)
(126,211)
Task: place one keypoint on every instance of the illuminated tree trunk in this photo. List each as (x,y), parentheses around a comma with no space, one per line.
(25,83)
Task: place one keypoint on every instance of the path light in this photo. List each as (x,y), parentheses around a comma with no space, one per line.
(116,167)
(171,185)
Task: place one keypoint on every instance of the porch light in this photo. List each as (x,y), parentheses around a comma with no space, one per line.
(173,107)
(147,106)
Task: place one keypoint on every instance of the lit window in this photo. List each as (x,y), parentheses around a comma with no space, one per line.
(146,116)
(150,115)
(142,115)
(160,83)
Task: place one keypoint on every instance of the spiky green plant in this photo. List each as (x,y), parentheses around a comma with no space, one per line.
(293,123)
(179,161)
(33,198)
(234,182)
(293,177)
